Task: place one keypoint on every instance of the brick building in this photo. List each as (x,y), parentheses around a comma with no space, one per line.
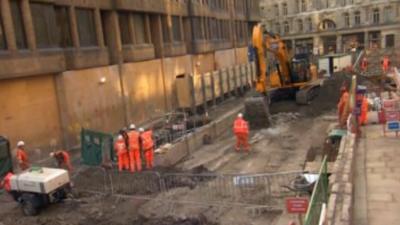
(338,25)
(100,64)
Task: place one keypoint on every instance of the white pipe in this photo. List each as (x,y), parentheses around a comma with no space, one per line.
(323,215)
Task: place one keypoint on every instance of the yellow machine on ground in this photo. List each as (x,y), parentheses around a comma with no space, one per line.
(277,75)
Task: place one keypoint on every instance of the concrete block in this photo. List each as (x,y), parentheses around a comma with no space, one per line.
(335,188)
(331,206)
(348,188)
(346,208)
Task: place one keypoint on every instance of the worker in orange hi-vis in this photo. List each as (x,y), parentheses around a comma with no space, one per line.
(241,130)
(120,148)
(385,63)
(344,99)
(135,162)
(63,159)
(147,146)
(364,64)
(22,156)
(364,112)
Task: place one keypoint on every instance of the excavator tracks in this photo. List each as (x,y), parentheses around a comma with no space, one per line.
(306,94)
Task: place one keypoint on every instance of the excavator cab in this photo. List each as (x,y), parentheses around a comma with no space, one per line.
(300,69)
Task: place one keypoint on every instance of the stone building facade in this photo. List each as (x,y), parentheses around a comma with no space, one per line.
(322,26)
(101,64)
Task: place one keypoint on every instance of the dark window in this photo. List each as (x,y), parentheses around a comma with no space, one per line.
(3,44)
(357,18)
(166,26)
(63,26)
(126,37)
(309,24)
(284,9)
(303,6)
(286,27)
(18,24)
(44,18)
(277,28)
(376,16)
(139,22)
(300,25)
(176,28)
(198,30)
(346,20)
(86,27)
(389,41)
(276,9)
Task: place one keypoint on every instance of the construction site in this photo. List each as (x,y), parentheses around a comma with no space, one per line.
(246,124)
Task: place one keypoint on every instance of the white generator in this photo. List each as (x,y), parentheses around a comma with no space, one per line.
(37,187)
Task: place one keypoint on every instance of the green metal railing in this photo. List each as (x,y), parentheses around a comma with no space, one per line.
(319,196)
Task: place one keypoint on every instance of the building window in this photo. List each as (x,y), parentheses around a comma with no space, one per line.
(166,25)
(277,28)
(389,39)
(300,25)
(276,9)
(346,18)
(376,16)
(388,14)
(286,27)
(141,35)
(309,24)
(63,26)
(199,32)
(18,24)
(86,27)
(357,18)
(43,17)
(284,9)
(328,25)
(124,26)
(176,28)
(3,44)
(303,6)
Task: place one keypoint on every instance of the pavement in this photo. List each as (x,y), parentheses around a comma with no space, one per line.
(377,178)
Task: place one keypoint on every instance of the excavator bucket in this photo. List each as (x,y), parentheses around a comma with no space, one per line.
(257,111)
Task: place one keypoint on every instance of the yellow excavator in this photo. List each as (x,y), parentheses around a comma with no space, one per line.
(278,75)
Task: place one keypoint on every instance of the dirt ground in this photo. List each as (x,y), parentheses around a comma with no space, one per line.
(282,147)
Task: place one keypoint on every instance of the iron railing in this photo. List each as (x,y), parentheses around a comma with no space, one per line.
(319,196)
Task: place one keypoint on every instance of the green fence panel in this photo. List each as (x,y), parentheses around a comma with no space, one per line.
(5,157)
(319,196)
(96,147)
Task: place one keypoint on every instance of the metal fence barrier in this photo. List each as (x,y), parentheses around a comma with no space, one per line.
(319,196)
(239,189)
(246,190)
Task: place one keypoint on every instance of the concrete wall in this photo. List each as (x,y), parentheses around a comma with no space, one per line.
(225,58)
(241,55)
(144,90)
(173,67)
(29,112)
(85,102)
(203,63)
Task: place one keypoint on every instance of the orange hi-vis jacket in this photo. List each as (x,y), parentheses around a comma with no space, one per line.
(133,140)
(147,140)
(240,126)
(6,183)
(22,156)
(120,147)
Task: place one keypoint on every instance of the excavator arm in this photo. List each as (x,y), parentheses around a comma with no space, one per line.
(264,42)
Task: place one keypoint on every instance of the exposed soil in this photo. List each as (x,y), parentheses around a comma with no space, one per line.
(282,147)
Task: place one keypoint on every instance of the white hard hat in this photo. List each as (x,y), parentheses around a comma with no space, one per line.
(120,137)
(20,143)
(52,154)
(240,115)
(141,129)
(132,126)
